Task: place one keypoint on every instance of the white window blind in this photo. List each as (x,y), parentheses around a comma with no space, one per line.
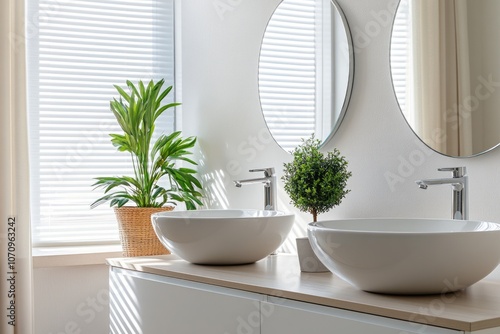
(287,72)
(80,50)
(400,53)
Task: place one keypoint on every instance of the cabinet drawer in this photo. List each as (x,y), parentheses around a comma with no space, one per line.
(281,316)
(145,304)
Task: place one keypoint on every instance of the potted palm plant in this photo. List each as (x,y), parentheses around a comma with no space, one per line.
(136,112)
(315,182)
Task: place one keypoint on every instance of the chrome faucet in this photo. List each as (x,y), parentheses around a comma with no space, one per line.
(269,181)
(459,184)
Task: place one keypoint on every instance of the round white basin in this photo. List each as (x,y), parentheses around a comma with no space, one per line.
(407,256)
(222,237)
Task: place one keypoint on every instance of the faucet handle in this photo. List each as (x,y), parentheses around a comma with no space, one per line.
(457,171)
(267,171)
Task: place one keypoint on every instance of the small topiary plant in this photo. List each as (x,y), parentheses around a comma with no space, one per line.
(315,182)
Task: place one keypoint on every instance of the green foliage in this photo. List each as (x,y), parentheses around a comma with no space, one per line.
(315,182)
(136,113)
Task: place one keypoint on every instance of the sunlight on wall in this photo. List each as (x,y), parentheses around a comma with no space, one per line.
(215,190)
(213,185)
(299,229)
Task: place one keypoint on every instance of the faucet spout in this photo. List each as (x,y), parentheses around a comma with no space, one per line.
(459,184)
(240,183)
(456,182)
(269,182)
(421,184)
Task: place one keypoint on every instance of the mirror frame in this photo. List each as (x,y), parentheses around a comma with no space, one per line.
(350,78)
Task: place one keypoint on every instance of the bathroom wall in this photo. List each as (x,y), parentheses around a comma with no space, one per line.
(220,49)
(221,41)
(71,300)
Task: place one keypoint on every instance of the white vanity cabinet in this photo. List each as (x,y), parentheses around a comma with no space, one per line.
(164,294)
(143,303)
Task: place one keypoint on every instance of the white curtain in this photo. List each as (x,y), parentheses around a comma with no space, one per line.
(439,79)
(16,288)
(465,137)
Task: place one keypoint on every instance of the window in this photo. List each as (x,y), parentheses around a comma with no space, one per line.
(304,71)
(400,55)
(81,48)
(287,72)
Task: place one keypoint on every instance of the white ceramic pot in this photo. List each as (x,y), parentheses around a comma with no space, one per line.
(308,260)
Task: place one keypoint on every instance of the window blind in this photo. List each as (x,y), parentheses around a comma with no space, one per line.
(81,48)
(400,55)
(287,72)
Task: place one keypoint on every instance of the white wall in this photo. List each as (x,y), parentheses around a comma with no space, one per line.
(71,300)
(221,106)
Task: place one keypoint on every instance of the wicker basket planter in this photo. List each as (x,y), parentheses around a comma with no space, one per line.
(137,235)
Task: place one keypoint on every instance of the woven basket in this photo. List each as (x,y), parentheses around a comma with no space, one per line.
(137,235)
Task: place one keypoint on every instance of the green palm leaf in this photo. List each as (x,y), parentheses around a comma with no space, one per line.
(136,112)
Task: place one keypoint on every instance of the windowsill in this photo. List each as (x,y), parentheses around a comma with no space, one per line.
(46,257)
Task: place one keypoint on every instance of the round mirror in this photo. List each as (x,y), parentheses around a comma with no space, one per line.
(305,71)
(445,73)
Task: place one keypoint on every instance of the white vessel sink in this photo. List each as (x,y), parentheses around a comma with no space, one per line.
(222,237)
(407,256)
